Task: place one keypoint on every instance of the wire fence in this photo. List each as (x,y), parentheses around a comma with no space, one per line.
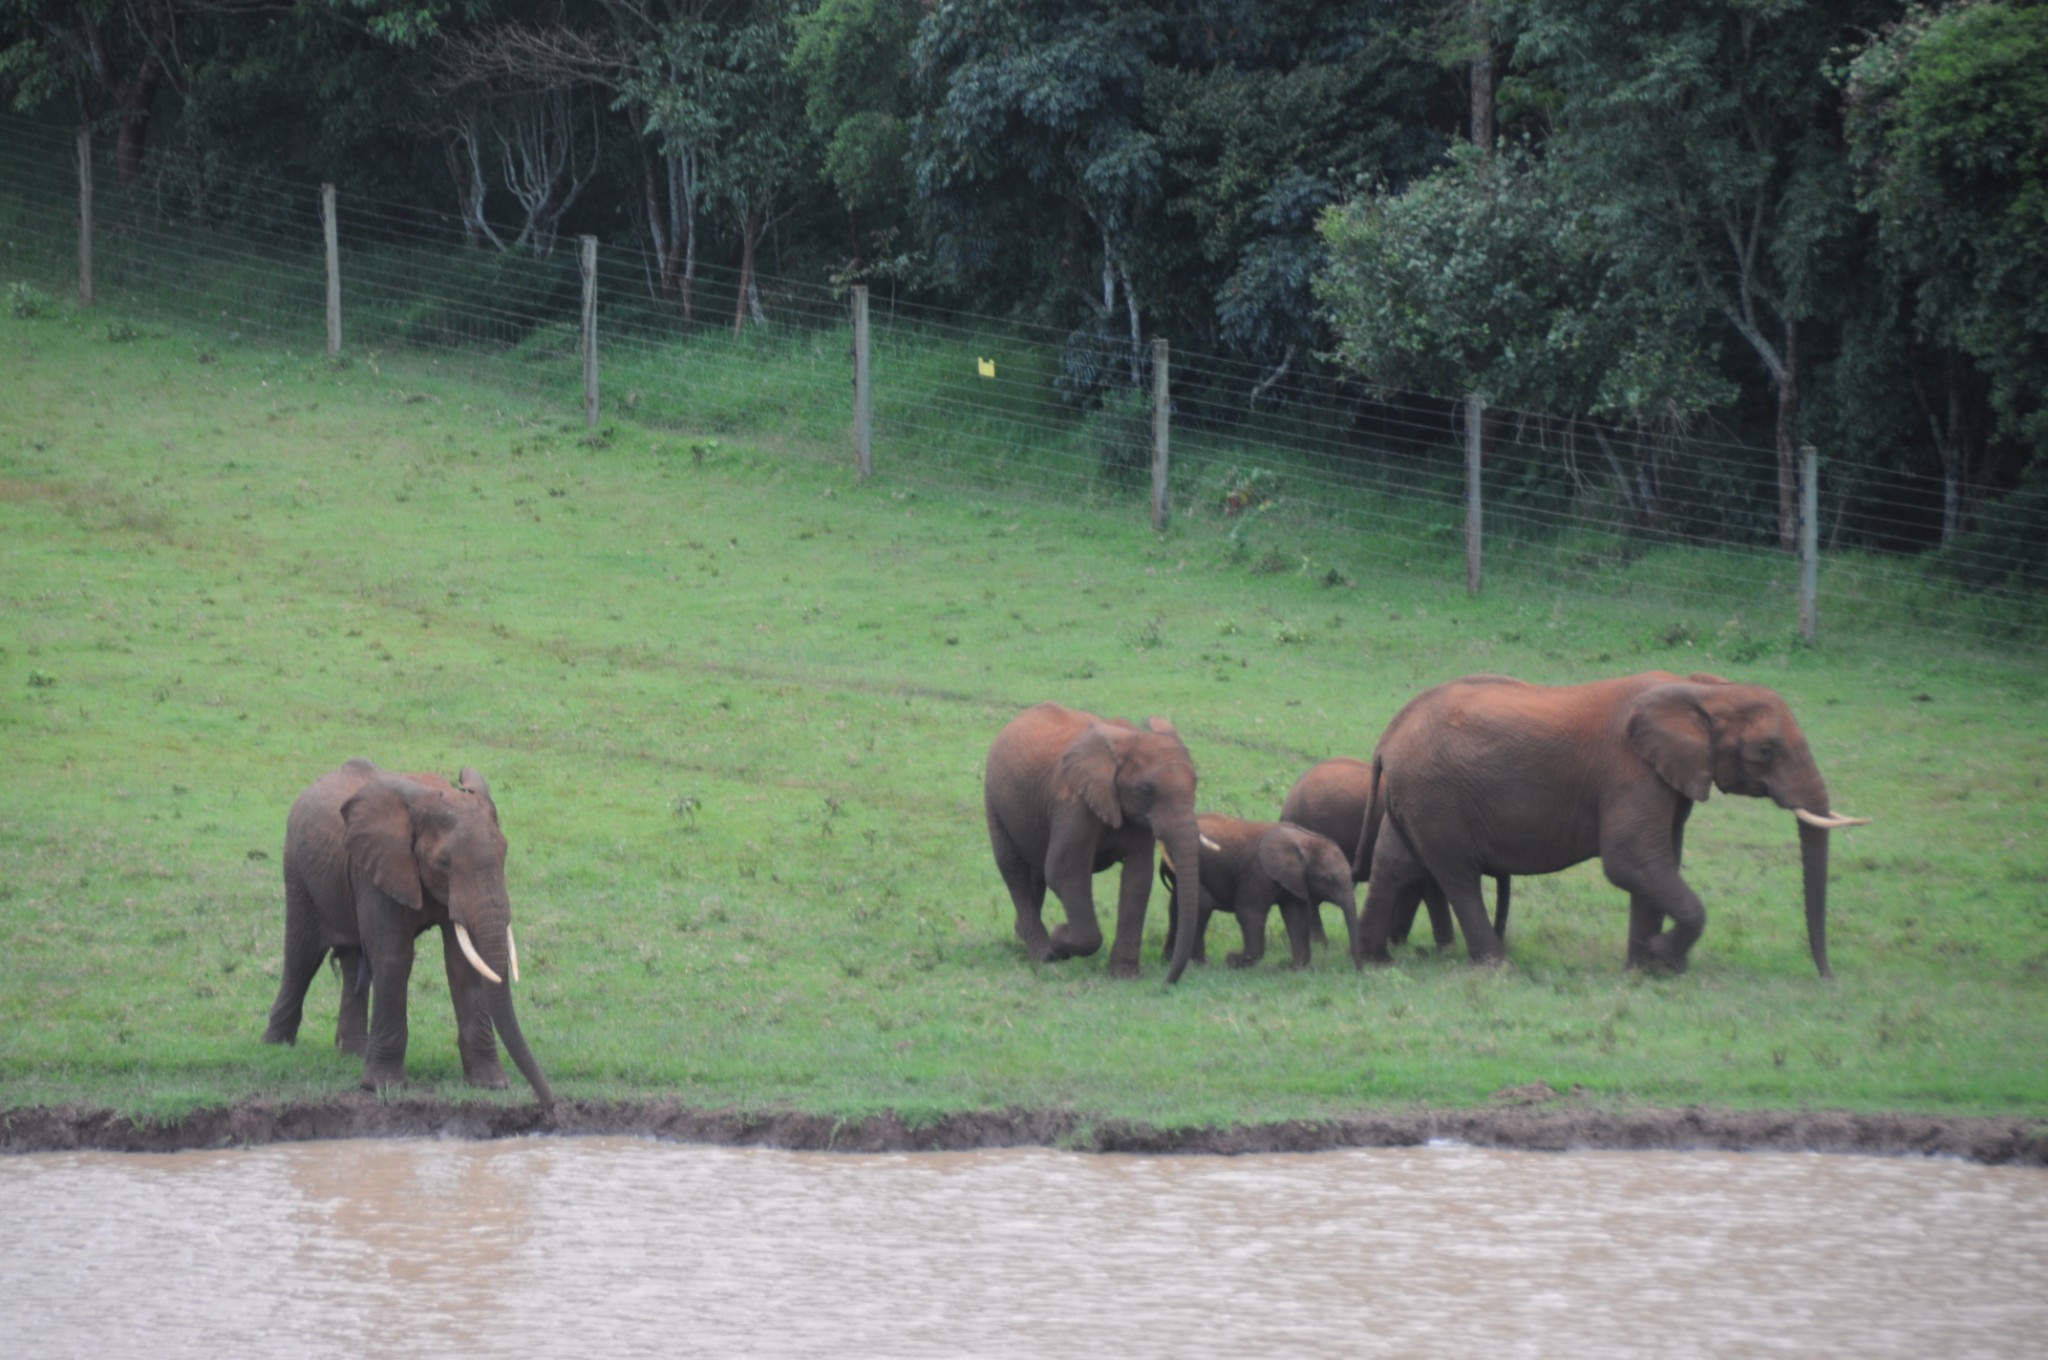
(1308,472)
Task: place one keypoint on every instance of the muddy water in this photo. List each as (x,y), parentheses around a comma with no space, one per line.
(616,1247)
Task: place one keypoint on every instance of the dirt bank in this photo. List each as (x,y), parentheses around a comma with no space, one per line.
(1535,1121)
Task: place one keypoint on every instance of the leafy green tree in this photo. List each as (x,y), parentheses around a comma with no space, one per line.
(1031,106)
(853,60)
(111,57)
(1491,276)
(1705,139)
(1948,130)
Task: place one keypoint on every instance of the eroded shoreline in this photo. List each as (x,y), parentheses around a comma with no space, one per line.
(1550,1126)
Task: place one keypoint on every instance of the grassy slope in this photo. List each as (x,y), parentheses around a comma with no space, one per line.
(734,708)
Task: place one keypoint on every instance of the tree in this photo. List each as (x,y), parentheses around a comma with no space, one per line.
(1948,131)
(1705,138)
(1024,102)
(112,57)
(1488,276)
(853,59)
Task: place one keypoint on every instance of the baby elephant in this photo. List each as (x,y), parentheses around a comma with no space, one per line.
(1248,867)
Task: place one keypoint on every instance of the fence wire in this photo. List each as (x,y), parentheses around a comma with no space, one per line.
(1349,479)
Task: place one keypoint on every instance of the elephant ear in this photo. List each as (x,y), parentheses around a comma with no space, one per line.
(1162,727)
(1669,730)
(1706,678)
(1283,857)
(378,819)
(471,780)
(1089,768)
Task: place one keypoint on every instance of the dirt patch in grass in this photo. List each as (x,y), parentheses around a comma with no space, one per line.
(1551,1125)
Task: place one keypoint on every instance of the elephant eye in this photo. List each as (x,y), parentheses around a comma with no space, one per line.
(1767,751)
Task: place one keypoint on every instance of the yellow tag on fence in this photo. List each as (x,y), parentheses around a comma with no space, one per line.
(987,367)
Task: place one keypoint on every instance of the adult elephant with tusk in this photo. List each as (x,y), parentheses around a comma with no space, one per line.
(1490,775)
(1068,794)
(373,859)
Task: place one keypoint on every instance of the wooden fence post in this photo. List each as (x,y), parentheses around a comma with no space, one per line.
(589,266)
(331,234)
(1475,546)
(1809,542)
(1162,512)
(863,397)
(85,217)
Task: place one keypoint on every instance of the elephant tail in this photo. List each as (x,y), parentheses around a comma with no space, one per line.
(1369,829)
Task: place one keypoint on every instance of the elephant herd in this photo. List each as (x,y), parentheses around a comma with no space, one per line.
(1483,776)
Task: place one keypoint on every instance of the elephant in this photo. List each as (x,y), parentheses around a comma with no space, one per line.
(1331,799)
(1067,795)
(1492,775)
(371,860)
(1249,867)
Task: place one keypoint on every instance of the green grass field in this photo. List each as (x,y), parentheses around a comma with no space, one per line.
(733,706)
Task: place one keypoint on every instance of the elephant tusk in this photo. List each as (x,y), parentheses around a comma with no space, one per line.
(469,952)
(1828,821)
(512,945)
(1208,844)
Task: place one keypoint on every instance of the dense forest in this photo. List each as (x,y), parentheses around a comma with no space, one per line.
(1791,222)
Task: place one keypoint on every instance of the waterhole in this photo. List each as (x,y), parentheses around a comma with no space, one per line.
(574,1246)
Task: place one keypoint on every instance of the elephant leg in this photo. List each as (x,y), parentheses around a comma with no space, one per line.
(474,1036)
(1645,865)
(1439,915)
(1655,893)
(1134,895)
(352,1024)
(1070,873)
(304,950)
(1251,924)
(1500,906)
(1298,916)
(1027,893)
(1316,934)
(1404,920)
(389,950)
(1395,885)
(1468,901)
(1645,919)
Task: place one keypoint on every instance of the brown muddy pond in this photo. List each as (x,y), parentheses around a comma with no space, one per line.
(547,1247)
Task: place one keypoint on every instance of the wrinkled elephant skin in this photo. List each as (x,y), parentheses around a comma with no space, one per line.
(371,860)
(1490,775)
(1069,794)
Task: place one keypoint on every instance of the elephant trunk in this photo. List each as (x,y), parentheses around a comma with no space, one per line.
(494,956)
(506,1021)
(1184,847)
(1813,859)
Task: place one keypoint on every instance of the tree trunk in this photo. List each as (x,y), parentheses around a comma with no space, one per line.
(1482,78)
(1788,448)
(750,233)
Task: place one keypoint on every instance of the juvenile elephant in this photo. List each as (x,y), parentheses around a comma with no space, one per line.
(1331,799)
(1490,775)
(373,859)
(1067,795)
(1250,867)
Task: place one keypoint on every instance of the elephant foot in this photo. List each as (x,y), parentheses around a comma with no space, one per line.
(355,1045)
(1123,968)
(383,1080)
(490,1078)
(1065,946)
(1234,959)
(1663,953)
(277,1034)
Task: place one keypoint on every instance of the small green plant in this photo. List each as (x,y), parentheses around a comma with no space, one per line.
(686,807)
(1153,635)
(1249,490)
(121,333)
(29,302)
(41,680)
